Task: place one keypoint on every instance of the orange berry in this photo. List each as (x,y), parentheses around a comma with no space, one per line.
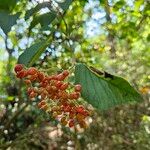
(78,88)
(43,95)
(83,124)
(63,119)
(39,105)
(64,123)
(60,77)
(32,71)
(40,76)
(43,84)
(74,95)
(53,77)
(44,107)
(65,73)
(32,94)
(71,115)
(54,89)
(33,77)
(49,89)
(29,90)
(80,117)
(64,95)
(58,84)
(28,82)
(55,108)
(64,86)
(54,114)
(18,67)
(43,102)
(59,112)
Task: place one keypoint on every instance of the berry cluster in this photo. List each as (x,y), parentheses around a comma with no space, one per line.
(57,96)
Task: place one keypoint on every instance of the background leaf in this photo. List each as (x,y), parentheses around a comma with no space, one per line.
(31,54)
(34,10)
(7,21)
(44,19)
(65,5)
(104,92)
(7,5)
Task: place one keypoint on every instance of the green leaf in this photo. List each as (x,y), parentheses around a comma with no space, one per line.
(34,10)
(7,21)
(118,5)
(7,5)
(105,91)
(65,5)
(44,19)
(31,54)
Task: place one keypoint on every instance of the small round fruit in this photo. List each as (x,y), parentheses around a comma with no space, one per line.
(65,73)
(78,88)
(32,71)
(21,74)
(18,67)
(71,123)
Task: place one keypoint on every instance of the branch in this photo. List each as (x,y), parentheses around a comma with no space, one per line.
(111,37)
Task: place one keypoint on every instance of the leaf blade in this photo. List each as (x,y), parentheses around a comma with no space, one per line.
(65,5)
(104,93)
(7,21)
(31,54)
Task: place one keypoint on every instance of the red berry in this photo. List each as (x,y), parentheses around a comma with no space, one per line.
(71,123)
(80,109)
(18,67)
(21,74)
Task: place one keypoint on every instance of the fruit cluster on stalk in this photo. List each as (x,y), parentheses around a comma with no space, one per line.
(57,96)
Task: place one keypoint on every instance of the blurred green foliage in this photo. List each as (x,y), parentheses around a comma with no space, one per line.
(110,35)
